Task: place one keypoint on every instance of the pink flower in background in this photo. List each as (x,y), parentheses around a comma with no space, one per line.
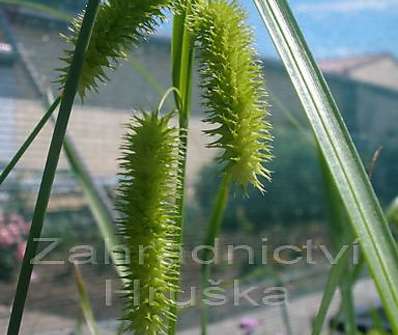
(6,237)
(12,229)
(20,250)
(248,325)
(18,222)
(14,217)
(15,231)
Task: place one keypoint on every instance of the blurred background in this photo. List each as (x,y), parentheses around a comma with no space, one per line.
(356,45)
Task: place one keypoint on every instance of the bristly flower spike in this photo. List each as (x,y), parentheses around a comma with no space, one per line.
(233,90)
(147,225)
(120,24)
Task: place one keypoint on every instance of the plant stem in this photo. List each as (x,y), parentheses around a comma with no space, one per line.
(141,70)
(10,166)
(341,236)
(101,211)
(51,166)
(334,277)
(213,231)
(340,231)
(184,86)
(286,318)
(284,308)
(85,304)
(182,61)
(348,306)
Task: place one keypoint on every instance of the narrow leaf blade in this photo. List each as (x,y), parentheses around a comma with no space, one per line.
(340,153)
(85,303)
(29,140)
(50,168)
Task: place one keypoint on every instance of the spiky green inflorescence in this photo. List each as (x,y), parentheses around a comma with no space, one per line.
(233,90)
(120,24)
(147,225)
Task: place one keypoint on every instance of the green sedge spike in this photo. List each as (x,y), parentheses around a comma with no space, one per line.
(119,25)
(233,90)
(147,225)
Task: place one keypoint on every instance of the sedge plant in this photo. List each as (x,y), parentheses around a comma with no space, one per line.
(236,105)
(238,110)
(153,159)
(119,26)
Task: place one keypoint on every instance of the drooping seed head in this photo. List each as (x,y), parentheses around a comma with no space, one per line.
(234,96)
(147,226)
(120,24)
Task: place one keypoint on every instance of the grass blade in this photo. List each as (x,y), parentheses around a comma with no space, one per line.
(340,232)
(10,166)
(182,47)
(101,211)
(50,168)
(278,282)
(348,306)
(341,236)
(340,153)
(336,218)
(335,274)
(85,304)
(213,231)
(145,74)
(97,200)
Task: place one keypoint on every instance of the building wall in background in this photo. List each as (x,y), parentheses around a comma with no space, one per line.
(369,111)
(383,73)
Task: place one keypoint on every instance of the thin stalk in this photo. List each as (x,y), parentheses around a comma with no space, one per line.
(352,273)
(335,274)
(348,306)
(284,307)
(182,61)
(97,202)
(39,126)
(71,86)
(291,118)
(357,269)
(213,231)
(338,219)
(286,318)
(85,304)
(98,206)
(146,75)
(341,235)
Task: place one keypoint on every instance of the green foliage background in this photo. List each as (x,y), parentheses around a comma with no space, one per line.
(297,191)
